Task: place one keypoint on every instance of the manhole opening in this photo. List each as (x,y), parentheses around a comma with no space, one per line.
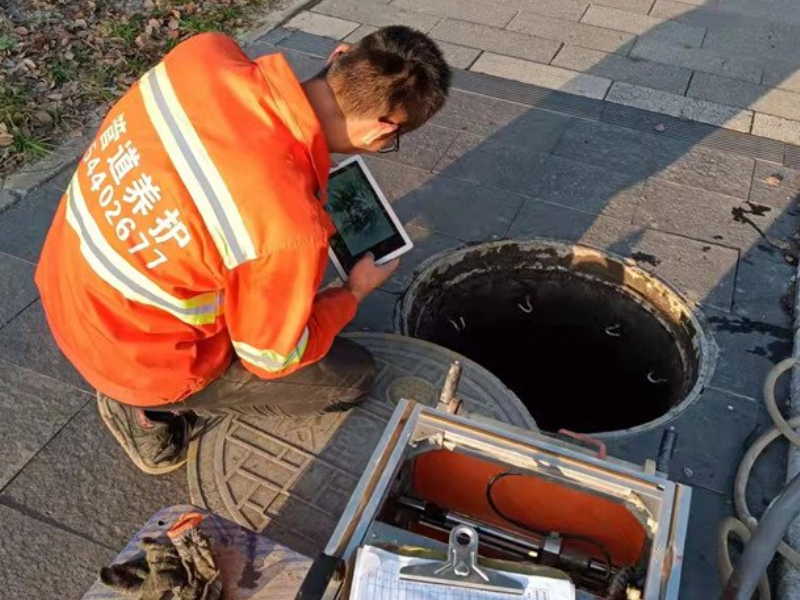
(586,342)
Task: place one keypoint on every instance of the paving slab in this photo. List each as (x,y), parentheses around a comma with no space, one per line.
(459,209)
(675,105)
(322,25)
(375,313)
(699,59)
(764,285)
(497,15)
(638,71)
(578,34)
(424,147)
(378,14)
(700,214)
(777,128)
(765,41)
(702,272)
(17,289)
(41,561)
(496,40)
(775,185)
(84,480)
(762,99)
(546,76)
(705,168)
(26,341)
(654,28)
(24,226)
(543,176)
(570,10)
(33,408)
(748,350)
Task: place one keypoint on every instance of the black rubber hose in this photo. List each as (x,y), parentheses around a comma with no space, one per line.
(762,546)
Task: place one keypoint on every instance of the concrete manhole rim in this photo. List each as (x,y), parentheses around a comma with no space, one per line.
(706,347)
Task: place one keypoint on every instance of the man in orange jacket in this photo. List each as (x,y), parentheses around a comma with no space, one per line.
(182,269)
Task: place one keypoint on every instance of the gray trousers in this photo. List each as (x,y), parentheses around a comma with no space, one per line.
(337,382)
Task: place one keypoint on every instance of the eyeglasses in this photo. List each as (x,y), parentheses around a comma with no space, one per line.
(394,146)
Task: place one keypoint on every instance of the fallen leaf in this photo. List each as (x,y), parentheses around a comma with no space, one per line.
(21,31)
(774,180)
(660,128)
(43,117)
(6,138)
(173,24)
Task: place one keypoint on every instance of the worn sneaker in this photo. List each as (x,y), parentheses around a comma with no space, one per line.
(156,445)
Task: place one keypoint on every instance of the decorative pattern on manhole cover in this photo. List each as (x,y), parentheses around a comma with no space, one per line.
(291,478)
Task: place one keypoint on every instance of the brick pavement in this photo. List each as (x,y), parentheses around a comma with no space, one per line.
(730,63)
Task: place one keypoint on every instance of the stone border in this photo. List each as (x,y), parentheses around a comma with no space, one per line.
(26,179)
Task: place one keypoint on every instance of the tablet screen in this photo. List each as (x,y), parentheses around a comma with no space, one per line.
(362,222)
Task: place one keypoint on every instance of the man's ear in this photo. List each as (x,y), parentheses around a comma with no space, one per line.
(380,129)
(337,52)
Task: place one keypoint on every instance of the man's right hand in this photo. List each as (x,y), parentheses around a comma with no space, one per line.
(365,276)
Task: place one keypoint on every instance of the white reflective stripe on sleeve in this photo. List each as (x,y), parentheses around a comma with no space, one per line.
(196,169)
(269,360)
(123,277)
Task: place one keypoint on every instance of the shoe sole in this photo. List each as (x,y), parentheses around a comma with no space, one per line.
(108,419)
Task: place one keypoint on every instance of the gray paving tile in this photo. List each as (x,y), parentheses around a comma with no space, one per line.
(653,28)
(765,41)
(395,179)
(17,289)
(543,176)
(706,168)
(621,68)
(476,11)
(375,13)
(702,275)
(459,209)
(460,57)
(309,43)
(323,25)
(33,408)
(734,92)
(777,128)
(39,560)
(602,145)
(764,286)
(303,65)
(709,462)
(699,214)
(424,147)
(502,41)
(544,76)
(775,185)
(700,59)
(782,75)
(375,313)
(578,34)
(676,105)
(503,122)
(570,10)
(426,243)
(84,480)
(26,341)
(748,350)
(24,226)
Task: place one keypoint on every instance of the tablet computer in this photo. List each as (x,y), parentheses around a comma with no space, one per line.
(364,219)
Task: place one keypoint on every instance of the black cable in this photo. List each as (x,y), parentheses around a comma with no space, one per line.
(567,536)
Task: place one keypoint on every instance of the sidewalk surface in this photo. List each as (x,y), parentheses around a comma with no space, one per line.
(709,210)
(730,63)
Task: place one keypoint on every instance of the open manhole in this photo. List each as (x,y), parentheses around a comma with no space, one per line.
(588,341)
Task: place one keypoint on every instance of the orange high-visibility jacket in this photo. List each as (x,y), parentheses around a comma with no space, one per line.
(194,227)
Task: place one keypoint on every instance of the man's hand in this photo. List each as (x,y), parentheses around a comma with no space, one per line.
(366,276)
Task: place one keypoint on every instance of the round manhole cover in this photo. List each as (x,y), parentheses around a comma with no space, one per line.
(588,341)
(291,478)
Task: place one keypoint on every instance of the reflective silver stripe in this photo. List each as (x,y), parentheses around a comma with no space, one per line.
(103,263)
(198,172)
(270,360)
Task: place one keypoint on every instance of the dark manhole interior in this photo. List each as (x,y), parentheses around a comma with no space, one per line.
(582,350)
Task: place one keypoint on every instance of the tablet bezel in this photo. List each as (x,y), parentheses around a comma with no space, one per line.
(407,243)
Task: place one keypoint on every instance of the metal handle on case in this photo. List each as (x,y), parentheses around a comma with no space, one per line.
(602,452)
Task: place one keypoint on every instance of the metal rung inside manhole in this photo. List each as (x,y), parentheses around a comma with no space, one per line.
(588,341)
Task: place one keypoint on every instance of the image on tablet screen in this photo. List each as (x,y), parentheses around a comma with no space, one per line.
(357,211)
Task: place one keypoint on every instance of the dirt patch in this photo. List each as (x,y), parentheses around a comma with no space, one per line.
(61,60)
